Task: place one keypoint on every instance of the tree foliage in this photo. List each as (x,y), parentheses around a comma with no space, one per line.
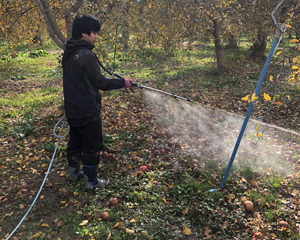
(144,26)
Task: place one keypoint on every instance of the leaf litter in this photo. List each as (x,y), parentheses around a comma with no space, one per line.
(185,148)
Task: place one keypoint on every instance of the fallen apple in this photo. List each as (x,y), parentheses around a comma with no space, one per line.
(157,152)
(112,157)
(178,144)
(105,155)
(143,168)
(105,216)
(284,224)
(248,206)
(113,201)
(257,235)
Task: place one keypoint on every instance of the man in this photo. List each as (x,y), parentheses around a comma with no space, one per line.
(82,80)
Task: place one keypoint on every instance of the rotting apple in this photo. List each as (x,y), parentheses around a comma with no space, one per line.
(113,201)
(105,155)
(112,157)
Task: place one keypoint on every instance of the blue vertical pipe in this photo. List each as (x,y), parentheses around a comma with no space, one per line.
(273,48)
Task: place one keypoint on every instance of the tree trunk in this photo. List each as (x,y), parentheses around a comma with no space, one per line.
(69,21)
(125,36)
(52,27)
(259,47)
(218,46)
(125,33)
(232,42)
(47,12)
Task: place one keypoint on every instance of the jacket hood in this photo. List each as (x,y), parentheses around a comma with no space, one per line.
(73,45)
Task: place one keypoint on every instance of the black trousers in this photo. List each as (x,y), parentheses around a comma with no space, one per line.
(85,142)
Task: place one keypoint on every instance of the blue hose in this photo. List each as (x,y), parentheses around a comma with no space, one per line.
(36,197)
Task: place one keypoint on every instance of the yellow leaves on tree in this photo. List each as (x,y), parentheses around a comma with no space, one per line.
(246,98)
(254,97)
(267,97)
(294,41)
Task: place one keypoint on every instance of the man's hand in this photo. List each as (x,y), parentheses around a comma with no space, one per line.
(127,83)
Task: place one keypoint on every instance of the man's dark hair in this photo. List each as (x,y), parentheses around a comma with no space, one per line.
(84,24)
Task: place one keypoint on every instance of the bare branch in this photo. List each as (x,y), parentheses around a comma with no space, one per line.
(75,7)
(27,10)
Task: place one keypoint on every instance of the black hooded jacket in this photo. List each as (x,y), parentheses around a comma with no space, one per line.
(82,80)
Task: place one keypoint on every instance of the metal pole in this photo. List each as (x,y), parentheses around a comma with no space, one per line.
(273,48)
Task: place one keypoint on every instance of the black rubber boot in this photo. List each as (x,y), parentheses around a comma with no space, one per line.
(91,179)
(74,174)
(74,167)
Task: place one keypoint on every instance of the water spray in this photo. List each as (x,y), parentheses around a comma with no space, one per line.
(160,91)
(278,34)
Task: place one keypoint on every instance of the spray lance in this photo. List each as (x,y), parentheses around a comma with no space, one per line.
(141,86)
(160,91)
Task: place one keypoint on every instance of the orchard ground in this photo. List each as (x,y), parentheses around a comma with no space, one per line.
(185,148)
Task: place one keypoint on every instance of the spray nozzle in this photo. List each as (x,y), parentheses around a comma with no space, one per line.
(134,84)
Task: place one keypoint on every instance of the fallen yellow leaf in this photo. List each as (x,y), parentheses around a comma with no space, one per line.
(129,231)
(117,224)
(132,220)
(45,225)
(185,211)
(84,222)
(186,231)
